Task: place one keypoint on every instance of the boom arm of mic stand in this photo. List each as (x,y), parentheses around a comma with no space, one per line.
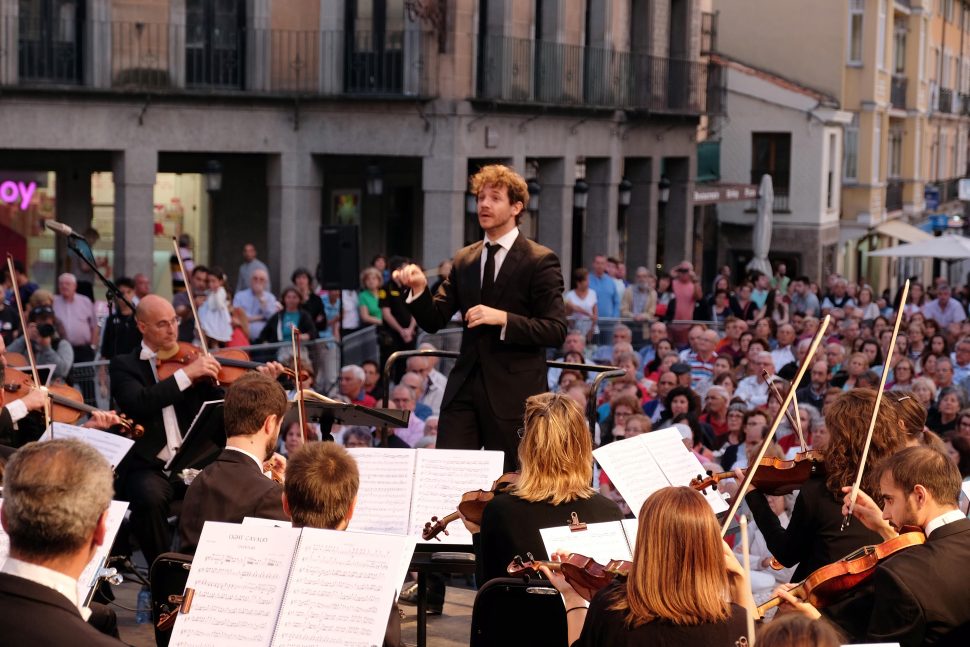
(108,283)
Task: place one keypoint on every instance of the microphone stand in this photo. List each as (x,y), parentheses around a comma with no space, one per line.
(112,291)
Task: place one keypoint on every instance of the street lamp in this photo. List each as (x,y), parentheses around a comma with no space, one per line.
(625,192)
(213,176)
(580,194)
(375,180)
(664,186)
(534,190)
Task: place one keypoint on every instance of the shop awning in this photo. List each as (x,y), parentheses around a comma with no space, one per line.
(901,231)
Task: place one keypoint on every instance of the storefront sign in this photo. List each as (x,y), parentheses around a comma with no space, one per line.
(17,193)
(714,193)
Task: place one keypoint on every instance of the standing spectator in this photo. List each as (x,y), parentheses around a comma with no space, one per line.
(639,302)
(399,330)
(199,276)
(76,313)
(744,307)
(372,379)
(781,280)
(762,284)
(607,296)
(143,287)
(944,310)
(582,304)
(250,263)
(214,314)
(687,294)
(350,309)
(185,253)
(309,300)
(803,300)
(664,295)
(120,334)
(369,297)
(257,302)
(280,325)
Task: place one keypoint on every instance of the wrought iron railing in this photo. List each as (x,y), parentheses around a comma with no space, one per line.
(946,100)
(897,93)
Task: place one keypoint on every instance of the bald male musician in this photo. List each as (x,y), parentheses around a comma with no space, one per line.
(921,594)
(166,409)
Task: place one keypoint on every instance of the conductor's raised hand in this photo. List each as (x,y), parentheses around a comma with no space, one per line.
(411,276)
(484,316)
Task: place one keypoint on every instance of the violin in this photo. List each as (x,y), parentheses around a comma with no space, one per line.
(775,476)
(67,403)
(584,574)
(233,361)
(827,584)
(15,359)
(472,506)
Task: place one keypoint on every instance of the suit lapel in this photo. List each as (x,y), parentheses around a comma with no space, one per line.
(473,275)
(510,266)
(952,528)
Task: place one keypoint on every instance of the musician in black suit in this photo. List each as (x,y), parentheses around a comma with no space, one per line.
(55,509)
(920,594)
(509,292)
(234,486)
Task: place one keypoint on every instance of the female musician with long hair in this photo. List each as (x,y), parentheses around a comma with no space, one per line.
(814,536)
(685,586)
(556,458)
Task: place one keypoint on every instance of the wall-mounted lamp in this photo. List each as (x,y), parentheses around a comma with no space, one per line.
(375,180)
(580,194)
(213,176)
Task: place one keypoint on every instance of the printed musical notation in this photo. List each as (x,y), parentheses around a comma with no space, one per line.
(384,496)
(112,446)
(600,541)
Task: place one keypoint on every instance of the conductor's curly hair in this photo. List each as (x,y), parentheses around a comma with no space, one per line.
(499,175)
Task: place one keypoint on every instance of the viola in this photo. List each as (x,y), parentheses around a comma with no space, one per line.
(67,403)
(829,583)
(234,362)
(582,573)
(775,476)
(472,506)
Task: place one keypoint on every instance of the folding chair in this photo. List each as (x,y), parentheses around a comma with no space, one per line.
(513,612)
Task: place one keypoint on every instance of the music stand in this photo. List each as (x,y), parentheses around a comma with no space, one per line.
(326,413)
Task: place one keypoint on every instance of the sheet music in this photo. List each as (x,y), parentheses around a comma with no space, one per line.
(112,446)
(116,513)
(630,528)
(601,542)
(89,576)
(272,523)
(341,589)
(204,409)
(239,574)
(678,463)
(632,469)
(386,483)
(441,476)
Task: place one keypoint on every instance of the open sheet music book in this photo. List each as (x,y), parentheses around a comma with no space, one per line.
(401,489)
(112,446)
(89,576)
(641,465)
(601,542)
(260,586)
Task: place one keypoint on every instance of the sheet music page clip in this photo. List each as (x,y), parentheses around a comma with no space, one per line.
(187,598)
(575,525)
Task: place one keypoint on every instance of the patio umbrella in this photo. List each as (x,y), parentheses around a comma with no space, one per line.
(761,237)
(944,247)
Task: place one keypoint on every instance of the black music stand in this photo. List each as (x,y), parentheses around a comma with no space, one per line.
(326,413)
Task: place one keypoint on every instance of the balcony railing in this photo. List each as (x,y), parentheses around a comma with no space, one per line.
(156,57)
(963,102)
(946,100)
(897,92)
(894,195)
(779,205)
(523,71)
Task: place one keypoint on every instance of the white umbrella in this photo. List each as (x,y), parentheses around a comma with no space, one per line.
(944,247)
(761,237)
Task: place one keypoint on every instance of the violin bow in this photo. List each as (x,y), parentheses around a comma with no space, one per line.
(793,420)
(753,466)
(187,280)
(746,565)
(11,272)
(300,402)
(875,409)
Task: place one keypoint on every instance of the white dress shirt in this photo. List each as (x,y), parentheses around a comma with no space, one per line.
(943,519)
(256,460)
(173,436)
(55,580)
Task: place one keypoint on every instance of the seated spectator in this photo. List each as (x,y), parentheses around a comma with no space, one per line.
(431,426)
(76,312)
(715,413)
(358,437)
(857,365)
(621,335)
(663,348)
(575,342)
(257,302)
(351,385)
(434,382)
(734,438)
(291,439)
(942,418)
(373,383)
(621,408)
(417,384)
(753,389)
(635,425)
(403,398)
(656,409)
(680,400)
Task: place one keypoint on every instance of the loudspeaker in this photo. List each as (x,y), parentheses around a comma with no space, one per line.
(339,267)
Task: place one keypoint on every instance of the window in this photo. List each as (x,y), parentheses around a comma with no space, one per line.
(881,37)
(876,148)
(948,10)
(771,154)
(895,153)
(856,9)
(850,156)
(899,51)
(830,187)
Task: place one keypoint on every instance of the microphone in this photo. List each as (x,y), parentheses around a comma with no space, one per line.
(61,228)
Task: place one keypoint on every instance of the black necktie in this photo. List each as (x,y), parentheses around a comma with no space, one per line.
(488,279)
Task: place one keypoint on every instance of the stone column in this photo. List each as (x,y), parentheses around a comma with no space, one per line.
(176,43)
(73,208)
(295,183)
(443,182)
(641,215)
(134,177)
(557,177)
(10,32)
(679,225)
(97,44)
(258,38)
(603,177)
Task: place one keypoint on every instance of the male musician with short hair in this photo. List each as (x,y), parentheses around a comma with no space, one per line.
(920,594)
(235,485)
(509,291)
(320,491)
(55,509)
